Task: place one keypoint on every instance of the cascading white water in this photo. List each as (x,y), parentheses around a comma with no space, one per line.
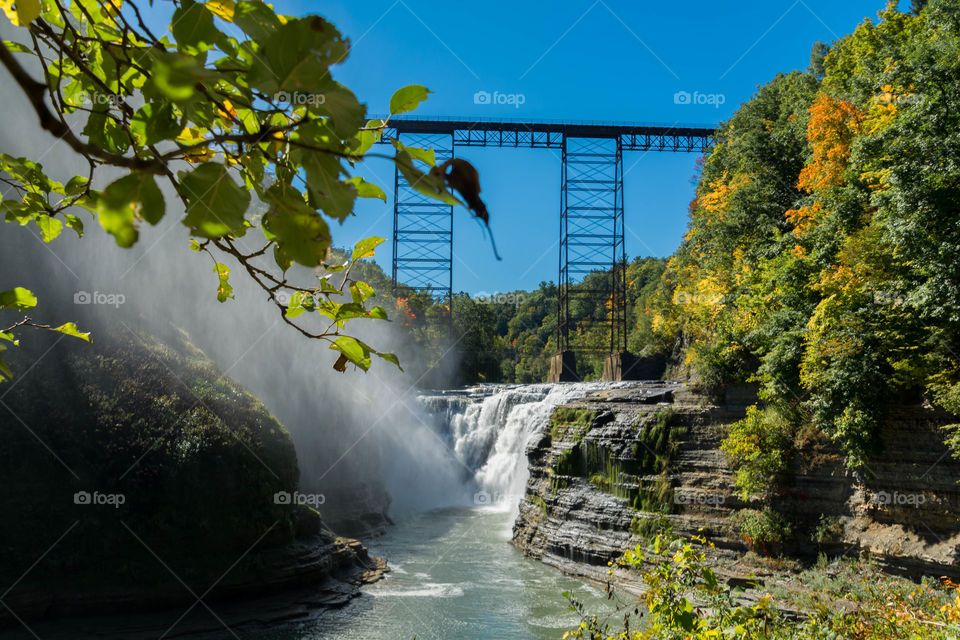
(488,428)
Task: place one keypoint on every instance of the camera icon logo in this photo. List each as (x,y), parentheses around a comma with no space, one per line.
(81,497)
(481,97)
(282,497)
(482,498)
(82,297)
(681,97)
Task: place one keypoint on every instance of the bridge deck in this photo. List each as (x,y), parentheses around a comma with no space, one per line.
(550,134)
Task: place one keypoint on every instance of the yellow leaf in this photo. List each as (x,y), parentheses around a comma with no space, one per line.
(21,12)
(202,154)
(112,7)
(227,113)
(188,135)
(223,9)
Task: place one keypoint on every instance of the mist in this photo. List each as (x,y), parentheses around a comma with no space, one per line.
(353,431)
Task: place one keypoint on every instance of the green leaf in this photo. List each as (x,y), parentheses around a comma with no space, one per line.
(301,233)
(300,302)
(176,75)
(295,56)
(389,357)
(366,138)
(366,189)
(280,256)
(224,290)
(408,98)
(74,223)
(132,196)
(423,155)
(326,191)
(71,329)
(16,47)
(347,114)
(365,248)
(4,369)
(378,313)
(354,350)
(215,204)
(192,25)
(76,185)
(154,122)
(326,287)
(256,19)
(50,227)
(17,298)
(334,268)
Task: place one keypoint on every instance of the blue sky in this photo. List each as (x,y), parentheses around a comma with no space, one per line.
(579,60)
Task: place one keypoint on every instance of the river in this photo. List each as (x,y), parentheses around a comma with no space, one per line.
(454,574)
(453,571)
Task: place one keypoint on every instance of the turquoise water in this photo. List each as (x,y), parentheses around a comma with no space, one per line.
(455,575)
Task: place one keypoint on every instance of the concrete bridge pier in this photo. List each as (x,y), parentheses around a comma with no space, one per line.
(563,367)
(623,365)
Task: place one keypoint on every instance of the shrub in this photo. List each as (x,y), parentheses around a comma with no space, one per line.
(761,528)
(759,446)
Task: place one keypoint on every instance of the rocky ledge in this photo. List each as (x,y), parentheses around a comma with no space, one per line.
(317,572)
(611,469)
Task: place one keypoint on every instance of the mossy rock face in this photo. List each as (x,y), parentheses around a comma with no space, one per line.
(195,459)
(571,423)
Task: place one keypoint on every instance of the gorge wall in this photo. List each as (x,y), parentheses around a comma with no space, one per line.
(607,471)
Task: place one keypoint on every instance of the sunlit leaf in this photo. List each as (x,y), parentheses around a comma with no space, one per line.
(71,329)
(365,248)
(408,98)
(366,189)
(17,298)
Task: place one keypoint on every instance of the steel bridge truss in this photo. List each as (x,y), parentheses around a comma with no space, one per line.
(592,261)
(592,253)
(423,228)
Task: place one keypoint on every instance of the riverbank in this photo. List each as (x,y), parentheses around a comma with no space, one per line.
(610,470)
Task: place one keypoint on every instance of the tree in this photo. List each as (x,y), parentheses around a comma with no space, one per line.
(237,111)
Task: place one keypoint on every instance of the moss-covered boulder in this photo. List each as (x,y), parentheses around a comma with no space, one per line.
(130,460)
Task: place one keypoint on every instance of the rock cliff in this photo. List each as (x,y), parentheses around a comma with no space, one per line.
(613,468)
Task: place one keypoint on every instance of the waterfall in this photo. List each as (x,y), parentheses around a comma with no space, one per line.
(488,428)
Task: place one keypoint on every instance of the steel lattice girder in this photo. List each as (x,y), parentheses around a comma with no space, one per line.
(591,241)
(550,134)
(423,228)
